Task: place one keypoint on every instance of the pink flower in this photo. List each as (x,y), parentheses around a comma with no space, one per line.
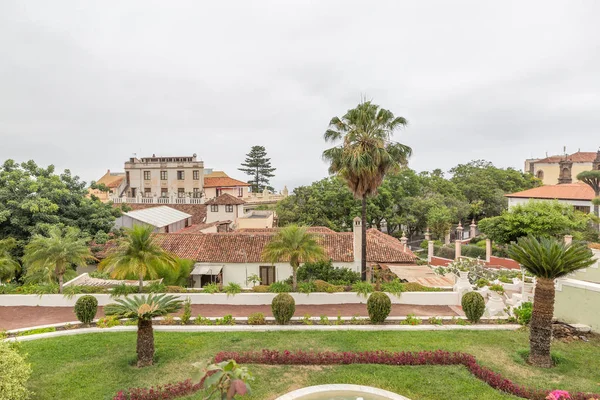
(558,395)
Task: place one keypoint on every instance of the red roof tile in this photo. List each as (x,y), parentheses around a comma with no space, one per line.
(579,157)
(566,191)
(223,182)
(225,199)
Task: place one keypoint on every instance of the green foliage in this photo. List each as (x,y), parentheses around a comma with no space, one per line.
(99,275)
(33,198)
(257,318)
(8,263)
(324,270)
(226,320)
(258,166)
(108,322)
(187,311)
(435,321)
(211,288)
(143,307)
(394,287)
(280,287)
(36,331)
(362,288)
(307,287)
(283,307)
(261,289)
(498,288)
(473,251)
(15,374)
(379,306)
(226,379)
(101,237)
(232,289)
(473,305)
(254,279)
(411,319)
(417,287)
(307,319)
(323,320)
(439,220)
(155,287)
(481,282)
(123,290)
(86,308)
(200,320)
(536,218)
(523,313)
(177,275)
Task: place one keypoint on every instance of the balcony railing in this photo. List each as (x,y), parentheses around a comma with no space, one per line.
(158,200)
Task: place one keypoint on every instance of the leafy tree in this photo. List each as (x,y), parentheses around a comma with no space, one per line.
(537,218)
(8,264)
(54,254)
(546,259)
(138,254)
(258,165)
(439,220)
(592,178)
(142,309)
(295,244)
(33,198)
(365,154)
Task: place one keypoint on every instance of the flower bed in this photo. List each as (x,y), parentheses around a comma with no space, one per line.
(169,391)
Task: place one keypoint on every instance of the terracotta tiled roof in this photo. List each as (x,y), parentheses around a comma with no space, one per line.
(566,191)
(579,157)
(313,229)
(225,199)
(241,247)
(198,228)
(223,182)
(112,179)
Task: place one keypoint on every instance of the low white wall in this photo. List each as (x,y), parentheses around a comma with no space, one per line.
(416,298)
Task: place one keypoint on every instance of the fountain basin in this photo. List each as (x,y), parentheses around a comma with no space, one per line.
(341,392)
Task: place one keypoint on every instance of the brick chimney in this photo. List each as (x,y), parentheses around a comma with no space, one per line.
(357,231)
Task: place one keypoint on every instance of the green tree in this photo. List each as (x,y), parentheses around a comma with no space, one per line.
(439,220)
(537,218)
(142,309)
(139,255)
(258,165)
(54,254)
(8,264)
(365,154)
(33,198)
(546,259)
(592,178)
(295,244)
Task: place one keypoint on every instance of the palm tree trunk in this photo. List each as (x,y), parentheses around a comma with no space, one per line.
(363,257)
(540,335)
(294,277)
(141,283)
(145,343)
(60,283)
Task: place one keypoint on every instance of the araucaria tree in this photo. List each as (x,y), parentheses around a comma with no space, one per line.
(258,166)
(142,309)
(138,255)
(364,153)
(53,254)
(592,178)
(546,259)
(295,244)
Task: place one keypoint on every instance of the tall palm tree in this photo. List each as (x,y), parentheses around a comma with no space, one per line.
(546,259)
(364,154)
(295,244)
(143,309)
(592,179)
(55,253)
(8,265)
(138,254)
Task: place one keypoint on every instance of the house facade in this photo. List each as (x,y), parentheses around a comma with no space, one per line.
(579,195)
(224,207)
(562,168)
(217,183)
(113,181)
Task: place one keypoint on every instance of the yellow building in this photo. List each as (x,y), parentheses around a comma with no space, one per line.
(562,169)
(112,180)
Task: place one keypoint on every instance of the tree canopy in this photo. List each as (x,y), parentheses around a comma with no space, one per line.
(258,165)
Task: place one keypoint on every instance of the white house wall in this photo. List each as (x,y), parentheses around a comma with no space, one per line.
(222,215)
(513,201)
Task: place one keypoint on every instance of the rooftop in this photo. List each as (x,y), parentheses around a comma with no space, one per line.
(225,199)
(158,216)
(566,191)
(579,157)
(222,181)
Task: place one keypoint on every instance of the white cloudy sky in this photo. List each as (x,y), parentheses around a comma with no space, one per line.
(85,84)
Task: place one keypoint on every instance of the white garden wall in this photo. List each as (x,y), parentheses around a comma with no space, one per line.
(416,298)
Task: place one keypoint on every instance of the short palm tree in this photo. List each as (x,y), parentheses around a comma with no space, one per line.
(55,253)
(143,309)
(365,154)
(295,244)
(139,255)
(8,265)
(546,259)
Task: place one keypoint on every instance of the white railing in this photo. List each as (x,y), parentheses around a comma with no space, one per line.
(158,200)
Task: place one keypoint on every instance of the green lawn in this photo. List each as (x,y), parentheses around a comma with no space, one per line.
(96,366)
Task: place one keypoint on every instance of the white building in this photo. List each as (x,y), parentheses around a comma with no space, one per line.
(164,219)
(579,195)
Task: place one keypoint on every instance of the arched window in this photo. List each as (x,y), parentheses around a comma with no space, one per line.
(566,173)
(540,174)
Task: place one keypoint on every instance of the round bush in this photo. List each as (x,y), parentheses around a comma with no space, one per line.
(283,307)
(473,305)
(15,373)
(379,306)
(86,308)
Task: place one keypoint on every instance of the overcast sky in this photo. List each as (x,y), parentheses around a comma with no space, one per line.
(85,84)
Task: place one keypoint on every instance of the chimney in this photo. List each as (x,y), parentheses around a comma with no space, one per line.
(357,230)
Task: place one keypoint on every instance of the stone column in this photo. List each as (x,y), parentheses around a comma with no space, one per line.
(447,238)
(568,239)
(429,250)
(488,250)
(403,240)
(459,231)
(457,249)
(427,234)
(472,229)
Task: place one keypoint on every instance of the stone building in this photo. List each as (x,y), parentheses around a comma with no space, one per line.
(562,168)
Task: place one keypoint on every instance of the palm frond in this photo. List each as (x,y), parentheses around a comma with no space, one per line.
(144,307)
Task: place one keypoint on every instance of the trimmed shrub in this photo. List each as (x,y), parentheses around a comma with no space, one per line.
(379,306)
(283,307)
(260,289)
(86,308)
(325,271)
(256,318)
(473,305)
(187,311)
(321,285)
(362,288)
(307,287)
(15,373)
(280,287)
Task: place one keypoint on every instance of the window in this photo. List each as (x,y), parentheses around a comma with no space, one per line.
(146,175)
(196,175)
(267,274)
(240,192)
(214,208)
(540,174)
(163,175)
(147,192)
(180,175)
(219,192)
(164,193)
(228,208)
(197,193)
(181,192)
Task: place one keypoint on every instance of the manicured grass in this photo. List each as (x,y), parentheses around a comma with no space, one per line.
(96,366)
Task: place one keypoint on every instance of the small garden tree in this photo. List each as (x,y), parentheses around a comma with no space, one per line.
(142,309)
(295,244)
(14,372)
(546,259)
